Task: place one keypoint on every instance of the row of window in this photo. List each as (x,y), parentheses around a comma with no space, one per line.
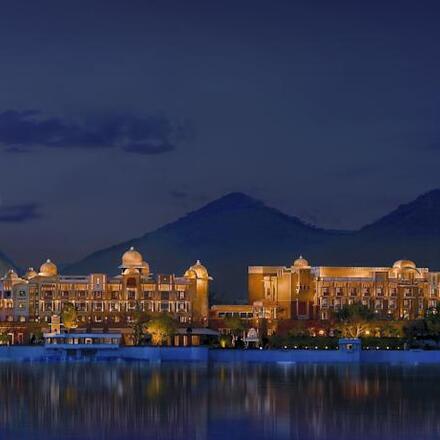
(130,294)
(244,315)
(339,291)
(377,304)
(83,319)
(102,306)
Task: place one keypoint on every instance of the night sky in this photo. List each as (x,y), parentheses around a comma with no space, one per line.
(117,117)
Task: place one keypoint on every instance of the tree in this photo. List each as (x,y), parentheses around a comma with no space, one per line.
(236,327)
(354,320)
(299,330)
(4,339)
(36,332)
(389,329)
(432,321)
(69,316)
(415,329)
(161,328)
(140,320)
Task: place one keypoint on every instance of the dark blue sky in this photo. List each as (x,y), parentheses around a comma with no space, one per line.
(116,117)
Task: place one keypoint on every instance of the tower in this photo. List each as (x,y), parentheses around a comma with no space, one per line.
(198,274)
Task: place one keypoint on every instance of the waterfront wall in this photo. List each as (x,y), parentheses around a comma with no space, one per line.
(21,353)
(157,354)
(400,356)
(154,354)
(204,354)
(298,356)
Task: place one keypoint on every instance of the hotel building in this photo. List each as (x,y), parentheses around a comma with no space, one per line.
(304,292)
(103,301)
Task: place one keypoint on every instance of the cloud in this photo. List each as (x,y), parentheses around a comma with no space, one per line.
(22,131)
(19,213)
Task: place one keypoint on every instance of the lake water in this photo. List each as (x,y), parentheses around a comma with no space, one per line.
(113,401)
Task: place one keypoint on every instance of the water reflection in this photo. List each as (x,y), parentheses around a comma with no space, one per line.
(192,401)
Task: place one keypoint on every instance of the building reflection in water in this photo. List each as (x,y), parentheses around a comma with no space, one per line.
(193,401)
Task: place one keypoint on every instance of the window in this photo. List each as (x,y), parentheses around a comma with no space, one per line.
(98,306)
(181,295)
(131,305)
(165,306)
(114,307)
(81,306)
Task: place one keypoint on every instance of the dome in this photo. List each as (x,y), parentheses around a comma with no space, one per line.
(48,269)
(132,258)
(11,275)
(301,262)
(145,270)
(404,264)
(30,273)
(197,271)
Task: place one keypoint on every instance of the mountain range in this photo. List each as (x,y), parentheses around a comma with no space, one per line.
(236,231)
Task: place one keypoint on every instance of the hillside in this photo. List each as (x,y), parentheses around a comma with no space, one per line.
(228,234)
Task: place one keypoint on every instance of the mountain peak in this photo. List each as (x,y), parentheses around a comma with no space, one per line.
(233,200)
(428,197)
(420,216)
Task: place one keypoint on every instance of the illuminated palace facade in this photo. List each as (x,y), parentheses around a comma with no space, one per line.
(304,292)
(102,300)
